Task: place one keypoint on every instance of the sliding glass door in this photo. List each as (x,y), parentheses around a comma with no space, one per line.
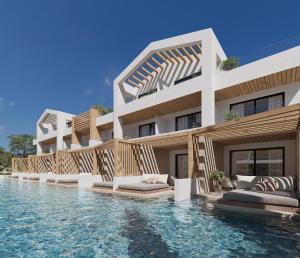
(263,162)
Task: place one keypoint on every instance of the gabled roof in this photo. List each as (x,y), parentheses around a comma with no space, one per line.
(165,60)
(49,116)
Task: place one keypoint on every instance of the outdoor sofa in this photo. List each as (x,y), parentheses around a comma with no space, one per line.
(285,194)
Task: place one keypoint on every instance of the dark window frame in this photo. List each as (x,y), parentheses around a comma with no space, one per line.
(190,114)
(189,77)
(254,158)
(140,126)
(256,99)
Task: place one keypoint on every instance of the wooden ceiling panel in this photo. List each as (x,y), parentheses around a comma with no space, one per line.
(259,84)
(176,105)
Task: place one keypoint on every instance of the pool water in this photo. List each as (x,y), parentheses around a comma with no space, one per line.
(37,220)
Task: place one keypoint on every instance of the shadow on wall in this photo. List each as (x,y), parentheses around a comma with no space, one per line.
(145,242)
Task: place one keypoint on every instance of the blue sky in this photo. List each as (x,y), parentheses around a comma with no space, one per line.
(65,54)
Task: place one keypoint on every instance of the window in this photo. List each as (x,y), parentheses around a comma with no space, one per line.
(188,121)
(255,106)
(69,123)
(147,129)
(260,162)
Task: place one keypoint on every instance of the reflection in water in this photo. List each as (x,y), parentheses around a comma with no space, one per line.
(144,240)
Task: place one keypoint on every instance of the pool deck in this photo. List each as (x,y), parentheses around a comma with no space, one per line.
(215,201)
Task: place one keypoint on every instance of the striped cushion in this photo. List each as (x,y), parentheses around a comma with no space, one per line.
(283,183)
(261,186)
(271,185)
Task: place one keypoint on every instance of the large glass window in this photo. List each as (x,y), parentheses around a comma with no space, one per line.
(147,130)
(188,121)
(255,106)
(262,162)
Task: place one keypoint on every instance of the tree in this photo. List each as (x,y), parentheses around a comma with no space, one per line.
(21,145)
(5,159)
(229,64)
(103,110)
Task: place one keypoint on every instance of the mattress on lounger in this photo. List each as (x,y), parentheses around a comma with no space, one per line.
(279,198)
(33,178)
(142,186)
(104,184)
(67,181)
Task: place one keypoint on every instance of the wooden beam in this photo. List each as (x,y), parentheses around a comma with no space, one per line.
(186,54)
(156,62)
(137,79)
(146,71)
(142,75)
(133,83)
(191,161)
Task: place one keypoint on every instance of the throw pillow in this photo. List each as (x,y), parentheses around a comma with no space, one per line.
(261,186)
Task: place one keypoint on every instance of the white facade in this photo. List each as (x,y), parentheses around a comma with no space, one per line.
(52,126)
(171,69)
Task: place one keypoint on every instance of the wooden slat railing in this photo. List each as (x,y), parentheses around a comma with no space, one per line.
(201,159)
(103,161)
(41,163)
(132,159)
(75,161)
(19,164)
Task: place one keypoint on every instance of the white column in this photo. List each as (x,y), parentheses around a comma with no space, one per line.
(61,126)
(118,103)
(208,74)
(118,127)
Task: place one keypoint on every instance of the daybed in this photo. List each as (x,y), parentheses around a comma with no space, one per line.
(143,186)
(284,195)
(50,180)
(150,183)
(106,185)
(67,181)
(279,198)
(34,178)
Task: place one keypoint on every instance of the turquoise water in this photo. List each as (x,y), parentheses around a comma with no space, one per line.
(37,220)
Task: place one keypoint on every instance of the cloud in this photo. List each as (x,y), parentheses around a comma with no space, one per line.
(107,81)
(5,104)
(2,128)
(88,92)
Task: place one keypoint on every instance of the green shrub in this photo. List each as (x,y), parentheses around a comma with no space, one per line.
(229,64)
(231,116)
(103,110)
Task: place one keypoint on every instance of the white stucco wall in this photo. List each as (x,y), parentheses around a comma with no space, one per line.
(164,124)
(291,93)
(106,135)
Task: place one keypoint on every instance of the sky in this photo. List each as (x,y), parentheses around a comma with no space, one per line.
(65,54)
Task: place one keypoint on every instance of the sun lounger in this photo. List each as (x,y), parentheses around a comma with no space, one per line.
(50,180)
(34,178)
(279,198)
(67,181)
(14,176)
(103,185)
(143,187)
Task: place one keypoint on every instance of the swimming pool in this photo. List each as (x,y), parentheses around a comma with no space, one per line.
(37,220)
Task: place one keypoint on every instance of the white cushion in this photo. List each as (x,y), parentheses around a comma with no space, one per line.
(161,178)
(246,182)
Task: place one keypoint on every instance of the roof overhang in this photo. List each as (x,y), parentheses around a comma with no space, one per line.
(172,106)
(277,124)
(273,71)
